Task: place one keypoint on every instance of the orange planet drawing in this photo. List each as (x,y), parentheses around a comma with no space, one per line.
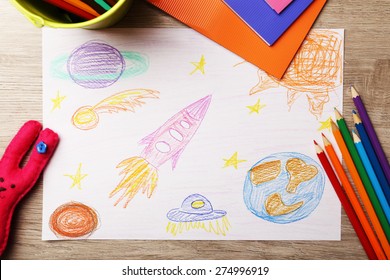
(74,220)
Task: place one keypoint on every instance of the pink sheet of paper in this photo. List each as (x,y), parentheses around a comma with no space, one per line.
(278,5)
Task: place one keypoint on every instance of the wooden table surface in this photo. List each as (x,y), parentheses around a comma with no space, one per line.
(367,66)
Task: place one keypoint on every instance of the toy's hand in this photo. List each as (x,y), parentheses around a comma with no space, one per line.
(15,182)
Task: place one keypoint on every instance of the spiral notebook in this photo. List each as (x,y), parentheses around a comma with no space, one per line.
(263,19)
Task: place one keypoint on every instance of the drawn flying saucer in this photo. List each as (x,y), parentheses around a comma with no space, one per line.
(195,207)
(197,213)
(96,65)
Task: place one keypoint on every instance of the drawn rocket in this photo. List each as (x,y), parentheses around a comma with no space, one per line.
(167,142)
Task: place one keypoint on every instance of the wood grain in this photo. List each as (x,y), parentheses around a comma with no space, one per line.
(367,66)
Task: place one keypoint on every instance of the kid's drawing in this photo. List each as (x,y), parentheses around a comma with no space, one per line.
(299,172)
(87,117)
(196,212)
(96,64)
(74,220)
(77,178)
(284,187)
(275,206)
(233,161)
(327,124)
(57,101)
(256,108)
(167,142)
(315,71)
(199,66)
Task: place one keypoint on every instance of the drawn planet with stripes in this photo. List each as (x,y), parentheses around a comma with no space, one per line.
(96,64)
(74,220)
(284,187)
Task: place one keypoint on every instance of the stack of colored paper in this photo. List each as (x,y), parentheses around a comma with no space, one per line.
(278,5)
(252,29)
(263,19)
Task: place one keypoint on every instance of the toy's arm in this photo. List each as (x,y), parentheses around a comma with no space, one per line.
(15,181)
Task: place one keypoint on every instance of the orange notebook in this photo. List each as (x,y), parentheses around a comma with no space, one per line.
(215,20)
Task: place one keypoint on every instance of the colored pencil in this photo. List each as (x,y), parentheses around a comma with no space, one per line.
(372,156)
(94,6)
(103,4)
(79,4)
(346,204)
(71,9)
(363,174)
(354,200)
(371,132)
(371,174)
(111,2)
(359,186)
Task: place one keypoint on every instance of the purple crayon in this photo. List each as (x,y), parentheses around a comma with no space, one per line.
(166,143)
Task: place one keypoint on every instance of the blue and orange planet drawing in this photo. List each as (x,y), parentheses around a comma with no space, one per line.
(96,64)
(284,187)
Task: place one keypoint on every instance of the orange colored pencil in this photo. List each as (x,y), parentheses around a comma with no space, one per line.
(353,199)
(371,254)
(360,188)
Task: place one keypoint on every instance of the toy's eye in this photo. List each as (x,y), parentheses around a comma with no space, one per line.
(1,179)
(13,186)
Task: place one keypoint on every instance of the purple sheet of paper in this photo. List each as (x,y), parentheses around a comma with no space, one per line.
(264,20)
(278,5)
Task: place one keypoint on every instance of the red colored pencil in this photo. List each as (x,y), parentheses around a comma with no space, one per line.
(346,203)
(71,9)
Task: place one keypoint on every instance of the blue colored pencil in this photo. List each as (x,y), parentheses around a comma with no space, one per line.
(372,156)
(371,133)
(371,174)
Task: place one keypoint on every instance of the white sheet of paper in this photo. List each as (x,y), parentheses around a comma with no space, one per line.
(184,67)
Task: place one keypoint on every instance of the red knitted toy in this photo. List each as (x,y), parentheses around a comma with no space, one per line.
(15,182)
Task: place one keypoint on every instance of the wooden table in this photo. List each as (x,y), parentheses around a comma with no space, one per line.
(367,66)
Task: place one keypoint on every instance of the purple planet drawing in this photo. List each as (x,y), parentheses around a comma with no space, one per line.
(96,64)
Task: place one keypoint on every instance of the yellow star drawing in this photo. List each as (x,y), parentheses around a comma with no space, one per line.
(233,161)
(77,177)
(256,108)
(199,65)
(57,101)
(326,124)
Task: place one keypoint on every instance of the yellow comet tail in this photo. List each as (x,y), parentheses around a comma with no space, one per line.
(87,117)
(138,174)
(218,227)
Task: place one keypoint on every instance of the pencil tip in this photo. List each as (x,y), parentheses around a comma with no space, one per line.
(356,118)
(337,113)
(354,92)
(356,138)
(333,125)
(315,142)
(319,150)
(353,111)
(325,140)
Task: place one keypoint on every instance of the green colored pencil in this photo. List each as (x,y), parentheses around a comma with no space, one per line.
(363,174)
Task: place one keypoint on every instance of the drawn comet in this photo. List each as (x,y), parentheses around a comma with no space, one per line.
(166,143)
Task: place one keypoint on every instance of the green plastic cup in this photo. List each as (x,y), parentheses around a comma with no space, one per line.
(42,14)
